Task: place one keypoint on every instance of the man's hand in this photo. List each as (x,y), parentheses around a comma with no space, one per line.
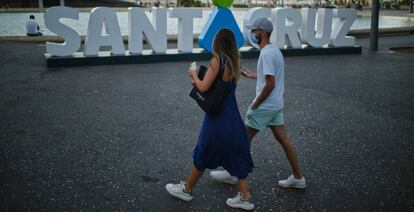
(249,74)
(267,89)
(254,106)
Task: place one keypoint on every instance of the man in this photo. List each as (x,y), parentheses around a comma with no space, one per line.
(266,109)
(32,28)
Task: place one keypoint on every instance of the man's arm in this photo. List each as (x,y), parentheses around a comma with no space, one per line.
(247,73)
(267,89)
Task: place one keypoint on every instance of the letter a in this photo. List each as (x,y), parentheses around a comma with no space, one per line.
(219,19)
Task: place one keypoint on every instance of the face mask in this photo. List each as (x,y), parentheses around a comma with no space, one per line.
(253,38)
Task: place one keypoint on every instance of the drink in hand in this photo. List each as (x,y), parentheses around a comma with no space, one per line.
(193,65)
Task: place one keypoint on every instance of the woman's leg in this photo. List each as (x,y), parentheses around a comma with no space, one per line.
(241,201)
(193,178)
(244,188)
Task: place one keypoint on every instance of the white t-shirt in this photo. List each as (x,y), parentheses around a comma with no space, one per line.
(31,27)
(271,63)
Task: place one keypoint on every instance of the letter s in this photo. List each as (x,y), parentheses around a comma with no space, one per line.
(72,39)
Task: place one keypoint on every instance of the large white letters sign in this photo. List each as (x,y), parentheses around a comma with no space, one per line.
(139,25)
(313,27)
(286,23)
(185,26)
(103,16)
(341,28)
(323,26)
(72,38)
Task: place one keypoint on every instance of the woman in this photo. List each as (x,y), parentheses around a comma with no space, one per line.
(223,139)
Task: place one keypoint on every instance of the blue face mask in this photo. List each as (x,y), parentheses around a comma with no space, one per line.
(253,38)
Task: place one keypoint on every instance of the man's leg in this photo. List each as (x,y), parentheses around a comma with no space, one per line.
(281,136)
(251,132)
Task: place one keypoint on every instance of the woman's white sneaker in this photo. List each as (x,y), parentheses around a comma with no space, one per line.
(223,176)
(178,190)
(292,182)
(238,202)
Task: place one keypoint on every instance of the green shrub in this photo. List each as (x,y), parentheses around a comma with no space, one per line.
(197,3)
(386,5)
(241,5)
(405,2)
(395,6)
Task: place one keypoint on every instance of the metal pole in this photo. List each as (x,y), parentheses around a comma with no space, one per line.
(40,4)
(411,6)
(62,2)
(373,42)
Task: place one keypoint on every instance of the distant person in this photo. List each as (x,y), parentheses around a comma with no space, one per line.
(32,28)
(223,139)
(266,110)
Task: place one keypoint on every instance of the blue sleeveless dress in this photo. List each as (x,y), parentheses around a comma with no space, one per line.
(223,140)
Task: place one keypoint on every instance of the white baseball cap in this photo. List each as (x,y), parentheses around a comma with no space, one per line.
(261,23)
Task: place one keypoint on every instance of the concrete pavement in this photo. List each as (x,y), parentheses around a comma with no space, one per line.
(106,138)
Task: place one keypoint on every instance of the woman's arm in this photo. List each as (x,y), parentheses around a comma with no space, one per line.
(210,76)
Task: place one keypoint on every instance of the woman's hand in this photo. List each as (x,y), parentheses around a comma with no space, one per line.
(192,73)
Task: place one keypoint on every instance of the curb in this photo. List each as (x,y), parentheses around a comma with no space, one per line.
(359,33)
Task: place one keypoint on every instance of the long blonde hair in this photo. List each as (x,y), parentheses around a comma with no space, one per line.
(225,46)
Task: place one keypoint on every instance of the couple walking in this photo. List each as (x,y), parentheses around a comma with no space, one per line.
(224,140)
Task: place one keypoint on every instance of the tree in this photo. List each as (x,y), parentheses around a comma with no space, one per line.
(187,3)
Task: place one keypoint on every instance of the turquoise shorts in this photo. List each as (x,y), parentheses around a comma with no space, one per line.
(259,119)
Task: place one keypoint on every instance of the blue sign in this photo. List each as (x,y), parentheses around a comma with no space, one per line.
(219,19)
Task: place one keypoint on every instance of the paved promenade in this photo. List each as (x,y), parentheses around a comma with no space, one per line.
(108,138)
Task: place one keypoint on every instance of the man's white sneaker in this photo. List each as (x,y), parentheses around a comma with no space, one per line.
(177,190)
(223,176)
(292,182)
(238,202)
